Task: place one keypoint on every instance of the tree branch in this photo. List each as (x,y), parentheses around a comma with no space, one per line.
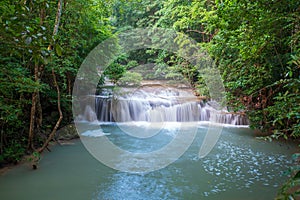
(58,15)
(57,21)
(40,150)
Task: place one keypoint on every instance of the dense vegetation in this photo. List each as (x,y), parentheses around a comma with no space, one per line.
(42,45)
(255,45)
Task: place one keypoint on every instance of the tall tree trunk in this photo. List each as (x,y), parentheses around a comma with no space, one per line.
(39,113)
(55,30)
(39,109)
(51,135)
(34,99)
(36,108)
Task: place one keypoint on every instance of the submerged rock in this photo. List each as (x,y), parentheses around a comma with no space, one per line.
(67,132)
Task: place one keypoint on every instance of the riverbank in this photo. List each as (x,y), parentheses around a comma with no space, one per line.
(66,135)
(5,168)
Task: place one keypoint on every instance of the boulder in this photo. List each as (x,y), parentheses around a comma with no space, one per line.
(67,132)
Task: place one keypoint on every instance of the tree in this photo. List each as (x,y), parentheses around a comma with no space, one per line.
(256,49)
(114,72)
(39,65)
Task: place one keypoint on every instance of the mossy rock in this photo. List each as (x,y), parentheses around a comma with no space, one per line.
(67,132)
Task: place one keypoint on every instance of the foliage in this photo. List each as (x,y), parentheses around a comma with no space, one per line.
(114,72)
(290,190)
(130,79)
(28,53)
(135,13)
(254,44)
(14,152)
(255,51)
(286,120)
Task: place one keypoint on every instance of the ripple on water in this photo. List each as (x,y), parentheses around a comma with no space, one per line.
(243,166)
(138,187)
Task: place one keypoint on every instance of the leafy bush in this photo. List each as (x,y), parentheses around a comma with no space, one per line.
(290,190)
(114,72)
(14,152)
(130,79)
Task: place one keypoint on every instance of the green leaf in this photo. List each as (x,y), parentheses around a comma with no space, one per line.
(58,50)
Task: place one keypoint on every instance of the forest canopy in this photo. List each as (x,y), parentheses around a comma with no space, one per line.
(255,45)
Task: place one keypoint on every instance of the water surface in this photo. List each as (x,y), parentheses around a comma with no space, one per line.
(239,167)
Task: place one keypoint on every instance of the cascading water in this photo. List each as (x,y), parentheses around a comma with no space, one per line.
(157,104)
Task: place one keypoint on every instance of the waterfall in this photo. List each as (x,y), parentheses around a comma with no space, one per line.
(157,105)
(89,114)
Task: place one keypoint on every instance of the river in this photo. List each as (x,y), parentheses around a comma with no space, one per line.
(239,166)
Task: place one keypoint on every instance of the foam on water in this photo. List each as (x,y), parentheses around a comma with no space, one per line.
(94,133)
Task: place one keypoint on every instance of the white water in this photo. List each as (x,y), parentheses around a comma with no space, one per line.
(157,104)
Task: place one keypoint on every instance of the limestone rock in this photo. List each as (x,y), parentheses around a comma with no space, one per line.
(67,132)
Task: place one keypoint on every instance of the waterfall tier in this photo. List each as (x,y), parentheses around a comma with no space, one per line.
(158,105)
